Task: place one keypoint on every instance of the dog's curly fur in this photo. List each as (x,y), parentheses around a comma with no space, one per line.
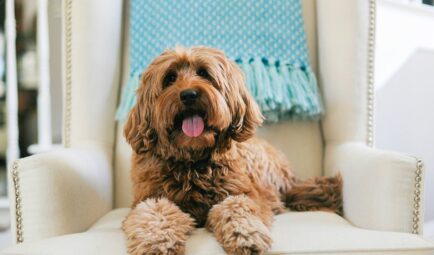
(224,179)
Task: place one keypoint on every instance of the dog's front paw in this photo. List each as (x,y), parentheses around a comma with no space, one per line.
(157,227)
(245,236)
(240,226)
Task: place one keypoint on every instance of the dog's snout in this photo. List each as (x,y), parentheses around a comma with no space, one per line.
(189,96)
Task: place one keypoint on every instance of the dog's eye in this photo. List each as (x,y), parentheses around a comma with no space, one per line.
(202,72)
(169,79)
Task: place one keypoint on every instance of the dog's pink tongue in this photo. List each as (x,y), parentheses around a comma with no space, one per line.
(193,126)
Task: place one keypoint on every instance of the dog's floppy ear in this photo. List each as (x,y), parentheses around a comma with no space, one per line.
(244,125)
(137,129)
(246,113)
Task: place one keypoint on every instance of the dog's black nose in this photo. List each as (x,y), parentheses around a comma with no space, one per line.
(189,96)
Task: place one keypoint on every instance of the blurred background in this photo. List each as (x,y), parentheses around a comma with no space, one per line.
(404,86)
(28,81)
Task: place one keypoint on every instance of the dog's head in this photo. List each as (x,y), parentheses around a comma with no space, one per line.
(191,101)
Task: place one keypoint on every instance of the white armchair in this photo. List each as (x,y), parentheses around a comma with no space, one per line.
(72,201)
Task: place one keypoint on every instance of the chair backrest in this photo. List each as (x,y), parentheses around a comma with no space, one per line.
(96,65)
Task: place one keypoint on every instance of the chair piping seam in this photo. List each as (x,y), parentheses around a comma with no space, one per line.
(68,73)
(371,71)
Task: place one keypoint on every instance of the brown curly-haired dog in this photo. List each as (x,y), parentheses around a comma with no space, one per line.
(196,162)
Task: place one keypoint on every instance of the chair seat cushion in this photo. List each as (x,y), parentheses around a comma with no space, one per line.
(293,233)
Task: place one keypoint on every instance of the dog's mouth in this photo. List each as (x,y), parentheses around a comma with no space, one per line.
(191,122)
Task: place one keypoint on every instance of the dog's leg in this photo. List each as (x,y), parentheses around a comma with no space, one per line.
(157,226)
(241,226)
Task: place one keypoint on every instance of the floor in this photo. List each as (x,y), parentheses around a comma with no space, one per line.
(5,232)
(428,230)
(5,239)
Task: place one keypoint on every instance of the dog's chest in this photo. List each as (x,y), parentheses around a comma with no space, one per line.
(195,188)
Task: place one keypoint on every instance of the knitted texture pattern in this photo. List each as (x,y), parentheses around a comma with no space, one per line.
(266,38)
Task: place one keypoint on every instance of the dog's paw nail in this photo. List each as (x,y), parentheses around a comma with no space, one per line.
(255,244)
(253,250)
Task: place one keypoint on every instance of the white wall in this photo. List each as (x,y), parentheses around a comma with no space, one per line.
(405,85)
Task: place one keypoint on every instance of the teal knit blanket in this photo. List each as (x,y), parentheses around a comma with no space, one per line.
(266,38)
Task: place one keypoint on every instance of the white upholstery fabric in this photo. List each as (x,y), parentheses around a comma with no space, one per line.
(379,186)
(301,142)
(95,39)
(123,185)
(62,192)
(343,28)
(293,233)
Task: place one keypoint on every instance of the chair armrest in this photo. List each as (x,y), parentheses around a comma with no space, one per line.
(61,192)
(382,190)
